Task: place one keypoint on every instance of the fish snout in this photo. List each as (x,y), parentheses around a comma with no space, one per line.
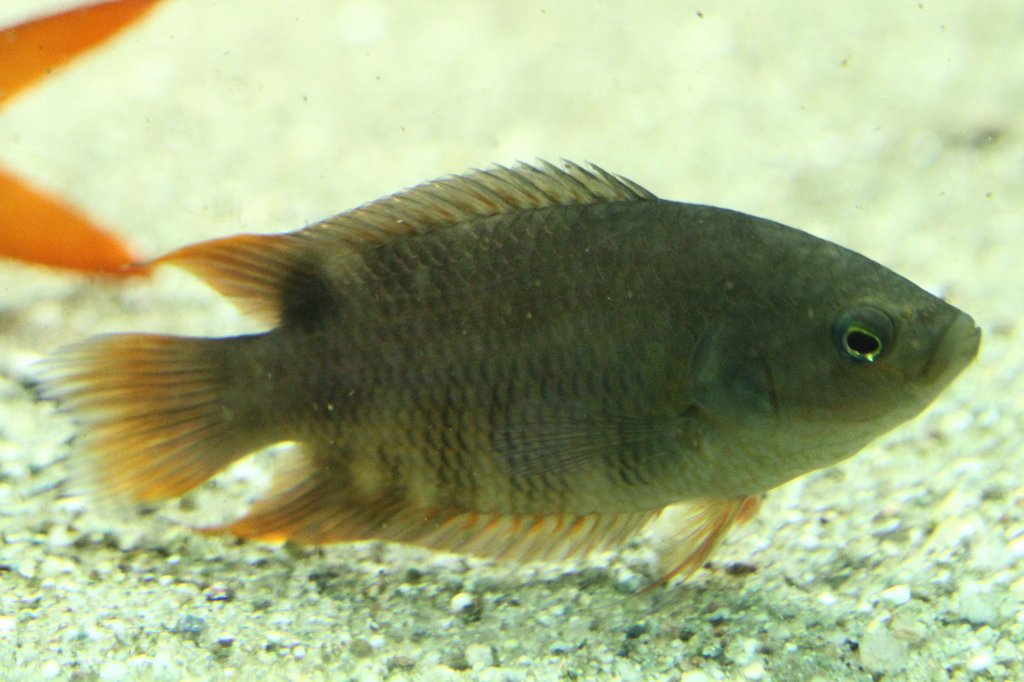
(957,345)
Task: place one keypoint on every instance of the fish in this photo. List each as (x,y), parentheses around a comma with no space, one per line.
(529,362)
(36,227)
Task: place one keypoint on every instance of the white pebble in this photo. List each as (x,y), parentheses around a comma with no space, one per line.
(113,671)
(742,651)
(1017,547)
(479,656)
(60,537)
(49,670)
(463,601)
(754,671)
(897,595)
(7,624)
(980,662)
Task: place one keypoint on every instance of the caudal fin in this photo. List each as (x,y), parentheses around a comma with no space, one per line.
(155,414)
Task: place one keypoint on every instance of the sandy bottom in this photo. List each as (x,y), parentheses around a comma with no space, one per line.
(892,128)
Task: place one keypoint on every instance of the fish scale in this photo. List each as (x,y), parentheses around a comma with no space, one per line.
(528,362)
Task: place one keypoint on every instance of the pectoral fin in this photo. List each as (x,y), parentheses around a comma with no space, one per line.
(704,524)
(559,436)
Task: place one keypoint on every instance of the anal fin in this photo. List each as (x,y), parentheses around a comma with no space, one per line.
(310,506)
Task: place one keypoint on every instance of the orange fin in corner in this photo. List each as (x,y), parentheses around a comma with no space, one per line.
(31,50)
(34,227)
(312,506)
(706,523)
(38,229)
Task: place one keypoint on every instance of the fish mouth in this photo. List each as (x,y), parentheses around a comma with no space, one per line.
(957,346)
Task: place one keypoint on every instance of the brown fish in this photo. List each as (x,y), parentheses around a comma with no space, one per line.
(526,362)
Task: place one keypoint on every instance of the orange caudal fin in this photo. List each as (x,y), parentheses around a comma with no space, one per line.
(33,49)
(158,414)
(706,523)
(39,229)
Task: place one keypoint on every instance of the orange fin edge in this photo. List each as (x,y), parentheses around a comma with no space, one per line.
(249,269)
(308,507)
(154,413)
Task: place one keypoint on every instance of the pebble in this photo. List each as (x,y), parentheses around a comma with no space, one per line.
(49,670)
(977,604)
(636,630)
(742,651)
(189,626)
(881,651)
(754,671)
(980,662)
(113,671)
(479,656)
(907,628)
(59,536)
(897,595)
(628,671)
(462,602)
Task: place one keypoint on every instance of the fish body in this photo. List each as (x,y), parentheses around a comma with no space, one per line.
(526,362)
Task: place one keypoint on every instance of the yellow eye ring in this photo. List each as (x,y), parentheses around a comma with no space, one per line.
(862,344)
(863,333)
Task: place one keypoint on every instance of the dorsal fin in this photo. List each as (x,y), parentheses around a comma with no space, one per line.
(253,269)
(480,193)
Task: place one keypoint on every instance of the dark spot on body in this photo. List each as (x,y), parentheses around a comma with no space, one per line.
(306,296)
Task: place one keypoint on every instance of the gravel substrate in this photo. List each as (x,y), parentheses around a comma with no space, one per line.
(892,128)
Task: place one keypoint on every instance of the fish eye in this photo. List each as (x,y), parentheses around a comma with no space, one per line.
(863,334)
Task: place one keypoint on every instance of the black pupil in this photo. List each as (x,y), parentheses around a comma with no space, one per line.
(862,342)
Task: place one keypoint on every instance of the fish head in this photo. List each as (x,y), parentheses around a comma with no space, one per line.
(869,365)
(807,370)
